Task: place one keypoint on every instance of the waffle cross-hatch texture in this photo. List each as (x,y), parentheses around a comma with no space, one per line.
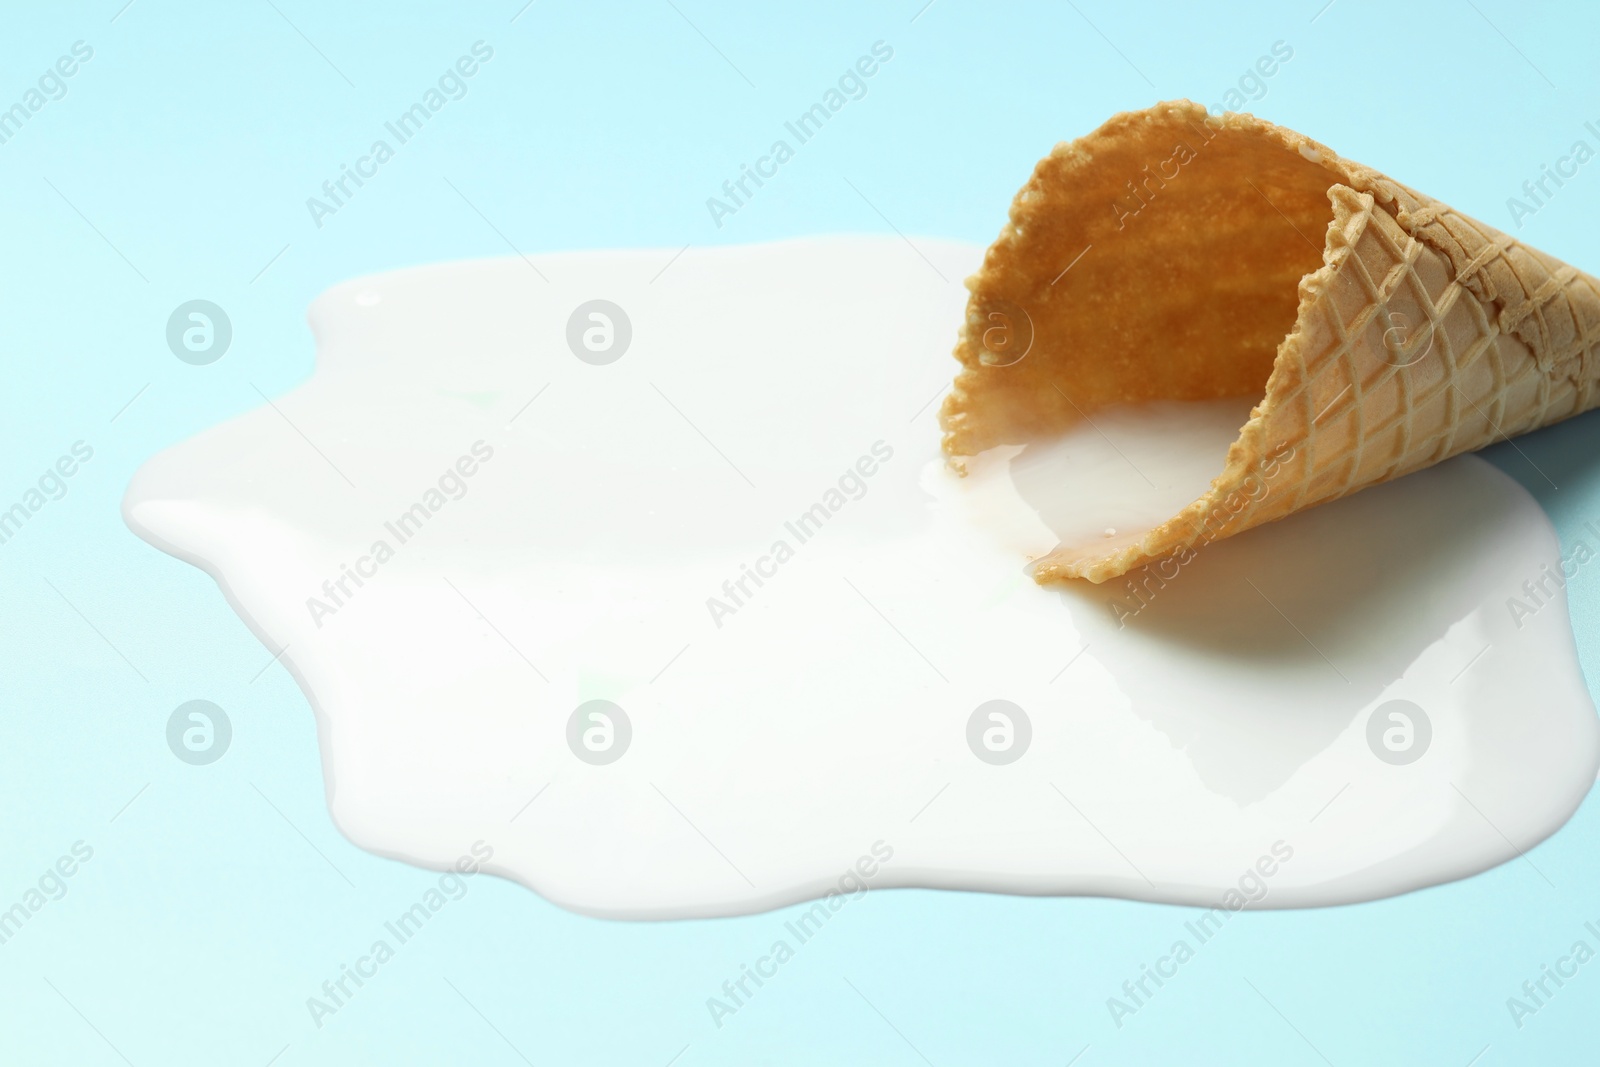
(1418,333)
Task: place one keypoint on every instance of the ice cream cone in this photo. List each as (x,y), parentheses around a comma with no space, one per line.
(1175,255)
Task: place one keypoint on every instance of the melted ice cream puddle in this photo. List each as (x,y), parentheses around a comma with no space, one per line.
(1138,464)
(581,523)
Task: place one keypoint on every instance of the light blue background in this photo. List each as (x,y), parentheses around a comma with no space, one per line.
(190,143)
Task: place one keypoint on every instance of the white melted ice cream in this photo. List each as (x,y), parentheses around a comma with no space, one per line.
(701,624)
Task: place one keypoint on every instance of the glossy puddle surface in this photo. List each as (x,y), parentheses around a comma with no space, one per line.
(708,627)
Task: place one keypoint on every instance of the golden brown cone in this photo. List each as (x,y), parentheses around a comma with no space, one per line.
(1174,255)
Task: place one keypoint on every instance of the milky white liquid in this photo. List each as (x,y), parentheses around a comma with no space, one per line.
(1220,729)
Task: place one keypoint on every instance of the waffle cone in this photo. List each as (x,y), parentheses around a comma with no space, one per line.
(1172,255)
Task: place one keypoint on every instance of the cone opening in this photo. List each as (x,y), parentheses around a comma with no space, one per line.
(1159,258)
